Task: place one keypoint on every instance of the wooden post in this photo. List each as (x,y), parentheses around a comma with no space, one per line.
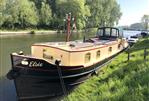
(145,53)
(128,55)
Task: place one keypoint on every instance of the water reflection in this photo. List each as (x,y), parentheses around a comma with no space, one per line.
(7,90)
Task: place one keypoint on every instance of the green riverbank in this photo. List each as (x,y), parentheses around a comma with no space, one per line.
(10,33)
(120,80)
(26,32)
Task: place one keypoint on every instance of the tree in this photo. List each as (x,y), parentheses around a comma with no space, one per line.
(77,8)
(51,13)
(45,14)
(2,8)
(96,11)
(27,13)
(10,13)
(145,21)
(20,13)
(38,3)
(104,12)
(137,26)
(115,13)
(52,4)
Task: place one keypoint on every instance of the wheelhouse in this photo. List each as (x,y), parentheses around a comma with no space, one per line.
(108,32)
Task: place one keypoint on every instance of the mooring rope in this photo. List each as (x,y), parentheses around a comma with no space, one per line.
(57,62)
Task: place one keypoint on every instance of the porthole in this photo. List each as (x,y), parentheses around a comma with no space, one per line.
(98,54)
(87,57)
(110,49)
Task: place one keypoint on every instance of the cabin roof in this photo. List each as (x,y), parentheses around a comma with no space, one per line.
(108,27)
(77,45)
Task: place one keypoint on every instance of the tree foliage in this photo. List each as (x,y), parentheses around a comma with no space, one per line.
(10,12)
(136,26)
(143,25)
(45,14)
(51,13)
(19,13)
(27,13)
(2,8)
(145,21)
(104,12)
(77,8)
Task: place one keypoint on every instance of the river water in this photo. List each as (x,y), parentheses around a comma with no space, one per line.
(17,43)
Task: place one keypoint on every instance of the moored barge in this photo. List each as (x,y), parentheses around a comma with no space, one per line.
(69,61)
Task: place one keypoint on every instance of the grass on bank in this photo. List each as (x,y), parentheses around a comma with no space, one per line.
(118,81)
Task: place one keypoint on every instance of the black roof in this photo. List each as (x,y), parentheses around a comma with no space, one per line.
(108,27)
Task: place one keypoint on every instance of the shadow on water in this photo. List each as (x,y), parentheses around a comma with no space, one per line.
(27,88)
(8,91)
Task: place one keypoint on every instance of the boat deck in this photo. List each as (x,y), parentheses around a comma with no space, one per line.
(78,45)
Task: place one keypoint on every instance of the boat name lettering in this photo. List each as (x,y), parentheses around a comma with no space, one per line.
(35,64)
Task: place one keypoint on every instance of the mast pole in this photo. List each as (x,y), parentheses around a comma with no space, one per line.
(68,18)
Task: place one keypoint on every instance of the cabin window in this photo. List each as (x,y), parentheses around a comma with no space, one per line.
(87,57)
(100,32)
(110,49)
(107,32)
(98,54)
(46,55)
(114,33)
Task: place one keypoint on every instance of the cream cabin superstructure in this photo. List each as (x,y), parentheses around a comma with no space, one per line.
(78,53)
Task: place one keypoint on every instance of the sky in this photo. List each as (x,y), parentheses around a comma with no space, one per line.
(132,11)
